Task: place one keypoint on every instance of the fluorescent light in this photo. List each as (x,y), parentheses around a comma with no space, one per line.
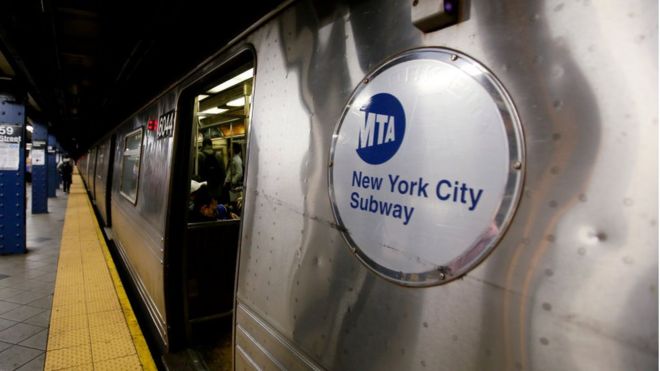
(213,111)
(29,128)
(202,97)
(238,102)
(233,81)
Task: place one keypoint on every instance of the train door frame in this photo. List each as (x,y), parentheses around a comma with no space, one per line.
(92,189)
(108,180)
(92,176)
(177,222)
(97,169)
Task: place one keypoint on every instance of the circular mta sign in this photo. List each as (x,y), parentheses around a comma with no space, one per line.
(427,165)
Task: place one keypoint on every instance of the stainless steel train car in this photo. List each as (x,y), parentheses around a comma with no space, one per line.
(443,185)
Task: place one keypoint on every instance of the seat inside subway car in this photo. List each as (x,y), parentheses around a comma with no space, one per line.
(367,185)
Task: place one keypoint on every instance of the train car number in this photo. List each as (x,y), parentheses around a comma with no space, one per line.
(165,125)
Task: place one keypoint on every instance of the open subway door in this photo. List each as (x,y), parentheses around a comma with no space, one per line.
(214,119)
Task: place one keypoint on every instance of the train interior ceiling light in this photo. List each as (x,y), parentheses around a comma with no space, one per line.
(233,81)
(226,105)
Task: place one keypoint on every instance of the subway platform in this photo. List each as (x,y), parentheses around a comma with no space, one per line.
(62,305)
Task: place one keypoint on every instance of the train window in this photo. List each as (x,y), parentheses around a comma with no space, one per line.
(221,117)
(130,165)
(100,159)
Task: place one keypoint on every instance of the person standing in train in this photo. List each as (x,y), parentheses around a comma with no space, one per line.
(234,179)
(211,169)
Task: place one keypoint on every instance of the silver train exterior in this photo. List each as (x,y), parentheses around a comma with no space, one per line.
(572,284)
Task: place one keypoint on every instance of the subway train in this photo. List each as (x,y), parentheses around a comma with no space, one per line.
(444,185)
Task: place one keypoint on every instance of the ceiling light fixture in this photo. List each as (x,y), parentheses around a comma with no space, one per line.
(233,81)
(212,111)
(238,102)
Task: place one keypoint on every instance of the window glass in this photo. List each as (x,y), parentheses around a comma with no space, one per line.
(130,165)
(100,161)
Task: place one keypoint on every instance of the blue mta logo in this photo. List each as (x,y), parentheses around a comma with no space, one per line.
(381,135)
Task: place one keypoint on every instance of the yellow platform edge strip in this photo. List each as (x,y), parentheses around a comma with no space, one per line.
(141,347)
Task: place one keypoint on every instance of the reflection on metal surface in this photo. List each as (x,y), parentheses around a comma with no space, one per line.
(265,346)
(138,229)
(550,296)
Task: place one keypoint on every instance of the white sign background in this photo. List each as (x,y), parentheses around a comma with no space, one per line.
(9,156)
(38,157)
(454,132)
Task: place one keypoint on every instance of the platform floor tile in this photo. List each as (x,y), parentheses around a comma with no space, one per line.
(26,288)
(88,327)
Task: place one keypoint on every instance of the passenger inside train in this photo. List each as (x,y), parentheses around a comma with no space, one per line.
(212,169)
(234,178)
(204,206)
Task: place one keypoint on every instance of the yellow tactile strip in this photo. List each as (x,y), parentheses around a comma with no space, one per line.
(92,325)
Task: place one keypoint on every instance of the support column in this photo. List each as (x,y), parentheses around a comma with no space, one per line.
(53,182)
(12,175)
(39,169)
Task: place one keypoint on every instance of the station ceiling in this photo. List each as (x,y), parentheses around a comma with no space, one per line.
(85,65)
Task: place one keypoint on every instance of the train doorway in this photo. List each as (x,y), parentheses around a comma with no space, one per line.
(214,118)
